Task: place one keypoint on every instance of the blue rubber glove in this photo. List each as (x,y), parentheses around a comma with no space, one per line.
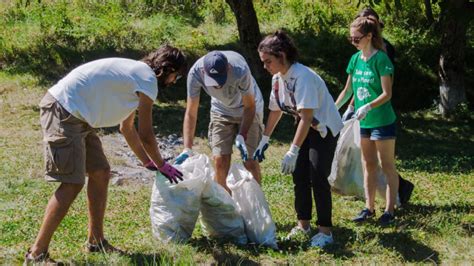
(187,152)
(240,143)
(259,154)
(288,163)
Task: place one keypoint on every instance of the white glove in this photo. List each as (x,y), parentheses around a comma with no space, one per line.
(259,154)
(187,152)
(348,113)
(288,163)
(362,112)
(240,143)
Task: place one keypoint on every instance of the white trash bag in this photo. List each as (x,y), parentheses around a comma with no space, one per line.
(219,215)
(175,207)
(252,205)
(347,176)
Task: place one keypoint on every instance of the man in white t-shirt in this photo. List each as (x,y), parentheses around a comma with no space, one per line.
(236,111)
(101,93)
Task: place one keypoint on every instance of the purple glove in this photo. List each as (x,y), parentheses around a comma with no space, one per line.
(171,173)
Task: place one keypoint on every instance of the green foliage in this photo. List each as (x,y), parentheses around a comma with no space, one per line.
(48,38)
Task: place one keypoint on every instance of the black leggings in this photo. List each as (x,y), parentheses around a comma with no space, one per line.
(313,167)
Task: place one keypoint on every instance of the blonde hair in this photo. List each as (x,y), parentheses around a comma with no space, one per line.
(366,25)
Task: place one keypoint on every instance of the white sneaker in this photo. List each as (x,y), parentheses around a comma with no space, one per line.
(296,231)
(321,240)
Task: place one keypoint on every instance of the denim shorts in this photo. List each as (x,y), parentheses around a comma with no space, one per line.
(379,133)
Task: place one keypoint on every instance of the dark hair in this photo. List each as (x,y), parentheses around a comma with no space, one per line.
(366,25)
(277,43)
(369,12)
(166,60)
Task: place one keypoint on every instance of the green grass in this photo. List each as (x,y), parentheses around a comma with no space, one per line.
(436,228)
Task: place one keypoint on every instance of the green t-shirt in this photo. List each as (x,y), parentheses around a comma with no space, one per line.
(367,86)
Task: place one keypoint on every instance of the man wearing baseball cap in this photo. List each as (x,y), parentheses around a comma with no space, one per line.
(236,111)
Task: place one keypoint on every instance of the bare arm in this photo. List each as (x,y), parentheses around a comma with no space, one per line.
(386,92)
(145,130)
(190,119)
(306,116)
(272,121)
(128,130)
(248,114)
(345,94)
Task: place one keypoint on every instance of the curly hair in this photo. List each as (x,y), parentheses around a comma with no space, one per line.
(166,60)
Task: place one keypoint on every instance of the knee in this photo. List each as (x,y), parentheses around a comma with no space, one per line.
(103,174)
(370,166)
(73,189)
(388,167)
(251,165)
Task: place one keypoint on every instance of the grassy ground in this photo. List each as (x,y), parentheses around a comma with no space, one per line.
(436,156)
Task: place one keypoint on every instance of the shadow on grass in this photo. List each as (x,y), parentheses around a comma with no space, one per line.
(410,249)
(436,145)
(432,218)
(220,250)
(144,259)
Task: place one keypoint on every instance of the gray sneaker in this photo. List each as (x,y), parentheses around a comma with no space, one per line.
(297,232)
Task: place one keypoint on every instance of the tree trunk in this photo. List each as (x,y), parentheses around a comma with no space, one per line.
(429,12)
(249,34)
(453,21)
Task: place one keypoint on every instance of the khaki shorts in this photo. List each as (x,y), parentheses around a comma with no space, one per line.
(71,146)
(224,129)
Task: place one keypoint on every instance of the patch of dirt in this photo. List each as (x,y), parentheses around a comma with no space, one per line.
(126,168)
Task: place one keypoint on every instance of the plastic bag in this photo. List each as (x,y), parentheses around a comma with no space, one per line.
(175,208)
(252,205)
(219,215)
(347,176)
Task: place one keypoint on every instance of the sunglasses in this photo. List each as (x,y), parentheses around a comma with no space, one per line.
(355,40)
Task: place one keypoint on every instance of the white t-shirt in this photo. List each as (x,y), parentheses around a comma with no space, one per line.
(103,92)
(309,92)
(228,99)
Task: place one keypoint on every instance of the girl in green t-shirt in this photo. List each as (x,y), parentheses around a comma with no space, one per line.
(370,73)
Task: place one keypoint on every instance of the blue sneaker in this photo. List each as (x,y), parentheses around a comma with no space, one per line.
(386,219)
(364,215)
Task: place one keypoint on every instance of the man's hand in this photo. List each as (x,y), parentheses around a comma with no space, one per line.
(348,113)
(240,143)
(259,154)
(362,112)
(288,163)
(171,173)
(187,152)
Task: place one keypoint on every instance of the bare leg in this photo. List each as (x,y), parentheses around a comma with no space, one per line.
(369,163)
(254,167)
(97,202)
(386,151)
(56,209)
(222,163)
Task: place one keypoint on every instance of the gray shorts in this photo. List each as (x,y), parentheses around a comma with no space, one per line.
(223,130)
(71,147)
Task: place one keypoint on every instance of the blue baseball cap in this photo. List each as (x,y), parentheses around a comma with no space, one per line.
(215,69)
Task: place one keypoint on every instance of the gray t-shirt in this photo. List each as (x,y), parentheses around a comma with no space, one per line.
(228,99)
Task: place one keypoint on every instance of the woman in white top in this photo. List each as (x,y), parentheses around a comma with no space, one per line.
(299,91)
